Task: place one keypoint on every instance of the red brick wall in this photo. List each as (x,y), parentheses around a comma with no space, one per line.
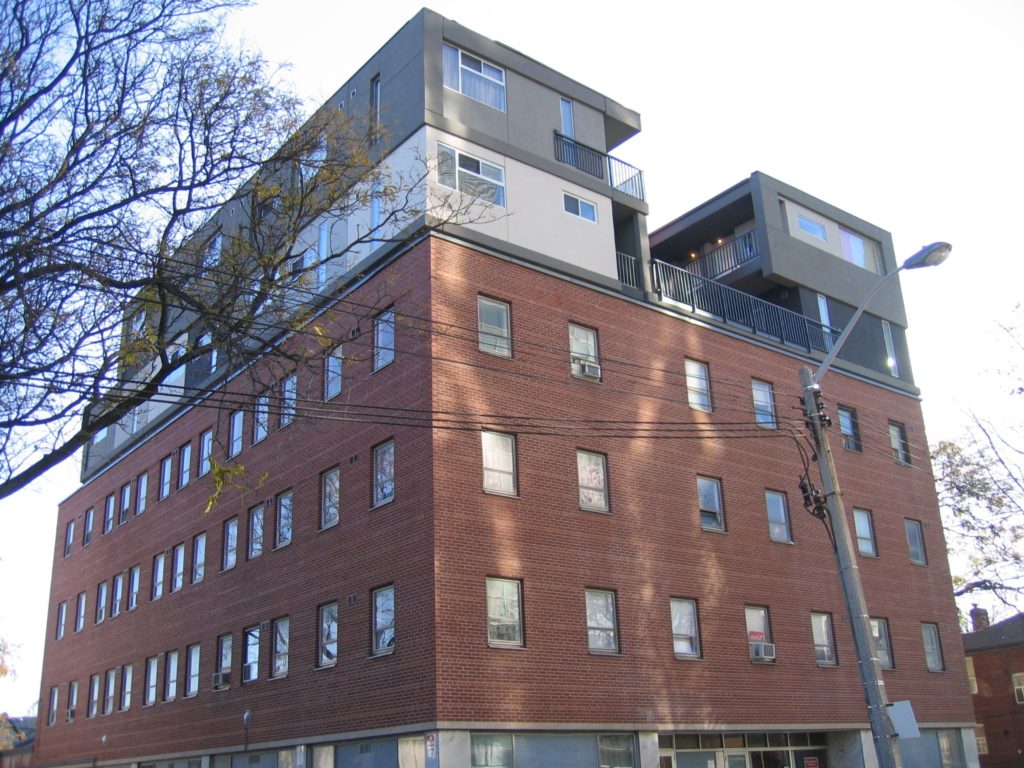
(996,707)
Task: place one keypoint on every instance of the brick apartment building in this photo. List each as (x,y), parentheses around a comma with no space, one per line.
(540,505)
(995,670)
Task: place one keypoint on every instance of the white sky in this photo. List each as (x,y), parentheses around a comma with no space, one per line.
(907,114)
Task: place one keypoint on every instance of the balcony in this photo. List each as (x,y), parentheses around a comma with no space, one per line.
(726,257)
(728,305)
(620,176)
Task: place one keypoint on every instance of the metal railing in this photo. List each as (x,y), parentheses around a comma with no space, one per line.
(726,257)
(629,269)
(620,175)
(738,308)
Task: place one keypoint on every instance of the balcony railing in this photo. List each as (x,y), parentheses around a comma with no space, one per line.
(620,176)
(726,257)
(735,307)
(629,269)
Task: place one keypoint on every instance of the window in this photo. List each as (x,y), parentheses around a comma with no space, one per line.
(384,620)
(171,676)
(149,695)
(865,530)
(192,670)
(109,691)
(898,442)
(473,77)
(94,696)
(86,528)
(332,373)
(759,635)
(184,464)
(475,177)
(593,481)
(375,206)
(1018,686)
(685,634)
(824,645)
(256,531)
(583,352)
(117,595)
(890,350)
(279,661)
(108,514)
(101,602)
(494,326)
(230,544)
(972,678)
(236,423)
(51,715)
(330,493)
(141,488)
(577,206)
(384,473)
(126,503)
(932,647)
(165,479)
(288,399)
(126,688)
(323,253)
(602,625)
(328,644)
(205,453)
(62,615)
(950,751)
(849,428)
(375,106)
(133,587)
(69,538)
(981,739)
(383,339)
(158,577)
(616,751)
(860,251)
(709,497)
(80,608)
(698,385)
(72,700)
(178,567)
(764,404)
(224,654)
(504,612)
(198,557)
(213,251)
(915,542)
(251,654)
(491,750)
(499,462)
(284,520)
(568,122)
(778,516)
(811,227)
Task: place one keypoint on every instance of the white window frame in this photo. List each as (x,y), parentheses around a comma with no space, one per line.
(710,503)
(471,175)
(583,348)
(256,527)
(384,473)
(152,681)
(166,478)
(81,608)
(109,508)
(126,688)
(579,207)
(283,520)
(462,71)
(126,503)
(849,428)
(330,498)
(384,339)
(94,696)
(602,625)
(62,616)
(898,443)
(205,453)
(87,527)
(171,675)
(812,227)
(592,479)
(251,654)
(159,563)
(192,655)
(116,594)
(930,638)
(824,639)
(504,612)
(51,715)
(289,399)
(236,430)
(198,557)
(229,558)
(225,653)
(134,580)
(69,538)
(869,256)
(384,620)
(327,645)
(333,366)
(101,602)
(777,507)
(698,385)
(915,549)
(764,404)
(177,567)
(279,654)
(758,625)
(494,339)
(498,451)
(141,489)
(864,530)
(685,628)
(72,701)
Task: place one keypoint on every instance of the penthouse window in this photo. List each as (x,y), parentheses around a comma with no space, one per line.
(478,178)
(473,77)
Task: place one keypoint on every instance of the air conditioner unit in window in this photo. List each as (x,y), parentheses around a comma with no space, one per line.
(221,679)
(1019,692)
(762,651)
(589,369)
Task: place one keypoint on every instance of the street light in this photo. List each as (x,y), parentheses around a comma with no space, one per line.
(886,748)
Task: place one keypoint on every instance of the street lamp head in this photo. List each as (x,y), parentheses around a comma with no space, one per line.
(929,256)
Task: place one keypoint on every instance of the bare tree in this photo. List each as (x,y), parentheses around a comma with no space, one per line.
(153,182)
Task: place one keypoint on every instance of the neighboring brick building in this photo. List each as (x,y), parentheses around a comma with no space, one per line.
(995,668)
(540,505)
